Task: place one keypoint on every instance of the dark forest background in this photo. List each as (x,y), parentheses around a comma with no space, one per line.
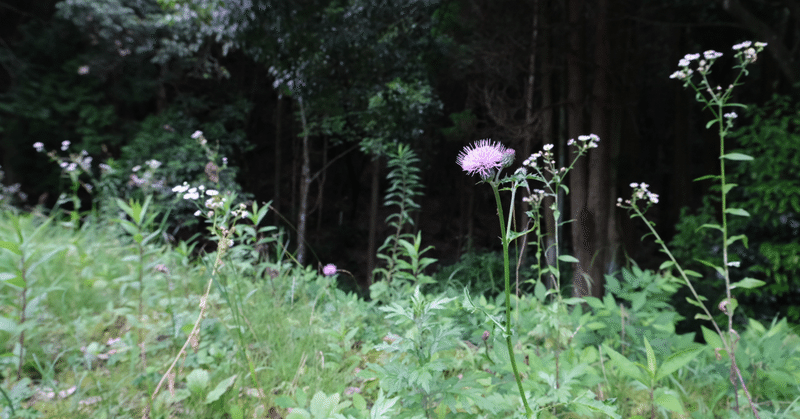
(308,100)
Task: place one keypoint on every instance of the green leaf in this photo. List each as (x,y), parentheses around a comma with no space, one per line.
(13,279)
(7,325)
(236,412)
(677,361)
(666,265)
(651,358)
(298,414)
(221,388)
(627,367)
(741,237)
(669,400)
(728,188)
(11,246)
(714,226)
(748,283)
(568,258)
(736,156)
(690,272)
(706,177)
(737,211)
(710,123)
(198,380)
(359,402)
(322,406)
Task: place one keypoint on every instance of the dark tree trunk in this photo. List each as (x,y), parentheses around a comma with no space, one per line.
(372,246)
(579,213)
(599,187)
(305,183)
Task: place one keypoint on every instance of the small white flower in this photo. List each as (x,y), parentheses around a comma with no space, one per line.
(734,264)
(760,44)
(65,145)
(202,187)
(210,214)
(63,164)
(547,147)
(730,115)
(38,146)
(197,213)
(712,55)
(684,63)
(136,168)
(224,161)
(105,168)
(153,164)
(83,70)
(691,57)
(744,44)
(197,134)
(570,142)
(71,167)
(181,188)
(634,185)
(212,192)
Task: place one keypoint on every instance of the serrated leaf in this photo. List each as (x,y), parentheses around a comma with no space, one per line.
(706,177)
(677,360)
(737,211)
(651,358)
(625,366)
(221,388)
(737,157)
(748,283)
(322,406)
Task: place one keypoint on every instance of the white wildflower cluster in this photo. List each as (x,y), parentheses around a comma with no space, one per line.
(105,169)
(38,146)
(198,135)
(640,192)
(241,211)
(747,51)
(731,115)
(65,145)
(535,198)
(147,179)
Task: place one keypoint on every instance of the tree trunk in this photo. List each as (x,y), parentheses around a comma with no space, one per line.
(276,200)
(305,183)
(599,187)
(527,145)
(372,246)
(547,138)
(579,213)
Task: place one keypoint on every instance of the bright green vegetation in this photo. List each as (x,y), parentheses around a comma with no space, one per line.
(315,347)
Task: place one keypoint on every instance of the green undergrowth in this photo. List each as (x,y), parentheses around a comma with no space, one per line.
(318,352)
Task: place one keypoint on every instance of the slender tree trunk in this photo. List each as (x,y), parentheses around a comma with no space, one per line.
(305,183)
(581,226)
(548,138)
(372,245)
(527,145)
(276,201)
(598,199)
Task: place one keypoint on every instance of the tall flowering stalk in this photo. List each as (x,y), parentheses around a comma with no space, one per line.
(487,159)
(717,100)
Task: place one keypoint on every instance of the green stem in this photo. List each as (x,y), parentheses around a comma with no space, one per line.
(507,275)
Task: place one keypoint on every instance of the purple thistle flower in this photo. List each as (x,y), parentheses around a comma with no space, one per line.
(484,157)
(329,270)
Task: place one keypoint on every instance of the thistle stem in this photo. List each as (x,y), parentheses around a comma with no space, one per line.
(507,276)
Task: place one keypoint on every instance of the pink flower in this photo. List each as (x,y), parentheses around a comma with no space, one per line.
(329,270)
(484,157)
